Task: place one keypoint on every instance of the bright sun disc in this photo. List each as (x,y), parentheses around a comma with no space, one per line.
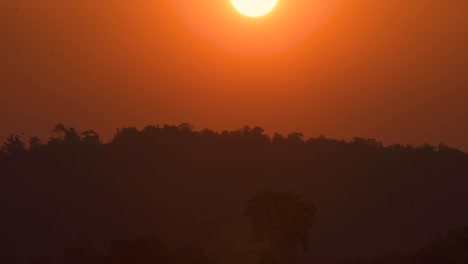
(254,8)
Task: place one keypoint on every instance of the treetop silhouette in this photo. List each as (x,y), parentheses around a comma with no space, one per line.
(281,222)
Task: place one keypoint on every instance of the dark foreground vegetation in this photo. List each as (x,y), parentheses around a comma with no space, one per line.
(174,195)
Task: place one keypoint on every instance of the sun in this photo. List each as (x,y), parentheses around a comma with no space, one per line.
(254,8)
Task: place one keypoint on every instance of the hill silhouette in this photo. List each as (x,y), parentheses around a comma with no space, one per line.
(190,188)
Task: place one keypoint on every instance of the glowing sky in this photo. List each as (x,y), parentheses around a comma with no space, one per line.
(390,69)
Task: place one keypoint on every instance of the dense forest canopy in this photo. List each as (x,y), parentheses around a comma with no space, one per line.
(191,187)
(185,134)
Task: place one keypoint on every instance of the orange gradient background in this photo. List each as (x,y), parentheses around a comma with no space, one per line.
(285,26)
(390,69)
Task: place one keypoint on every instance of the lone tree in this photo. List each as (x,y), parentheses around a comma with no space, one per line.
(281,222)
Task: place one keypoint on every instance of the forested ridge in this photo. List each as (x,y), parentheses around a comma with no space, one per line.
(183,190)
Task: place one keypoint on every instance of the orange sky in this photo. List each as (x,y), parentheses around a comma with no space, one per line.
(397,69)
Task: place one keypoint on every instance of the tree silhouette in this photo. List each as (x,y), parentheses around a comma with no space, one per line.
(184,184)
(296,138)
(60,129)
(278,139)
(68,136)
(90,137)
(14,146)
(35,143)
(281,222)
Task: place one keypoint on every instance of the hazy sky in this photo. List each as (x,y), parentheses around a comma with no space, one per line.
(395,70)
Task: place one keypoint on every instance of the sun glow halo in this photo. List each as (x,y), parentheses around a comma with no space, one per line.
(254,8)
